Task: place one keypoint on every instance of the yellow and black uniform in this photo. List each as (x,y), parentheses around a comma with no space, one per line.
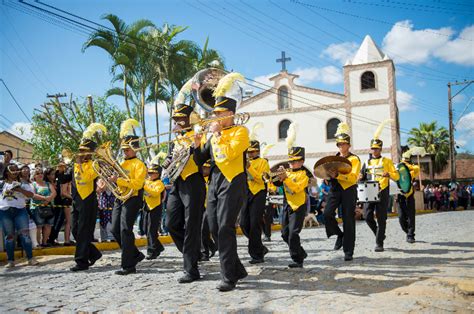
(294,211)
(208,246)
(125,213)
(152,193)
(185,206)
(373,170)
(343,192)
(407,210)
(227,190)
(269,212)
(84,214)
(251,216)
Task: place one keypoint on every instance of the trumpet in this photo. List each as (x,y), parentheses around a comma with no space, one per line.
(273,176)
(199,127)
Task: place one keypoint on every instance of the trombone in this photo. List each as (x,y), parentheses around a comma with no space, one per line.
(201,126)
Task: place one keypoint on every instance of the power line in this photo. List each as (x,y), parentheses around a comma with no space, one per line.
(410,6)
(16,102)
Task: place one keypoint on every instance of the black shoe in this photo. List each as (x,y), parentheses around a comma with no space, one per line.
(338,244)
(204,258)
(265,251)
(187,278)
(242,275)
(127,271)
(348,257)
(257,261)
(140,257)
(154,255)
(410,240)
(267,239)
(79,268)
(295,265)
(92,261)
(379,248)
(225,286)
(213,252)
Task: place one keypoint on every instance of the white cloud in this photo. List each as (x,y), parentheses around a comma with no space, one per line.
(421,83)
(22,129)
(341,52)
(162,109)
(407,45)
(261,83)
(466,125)
(460,99)
(461,142)
(460,51)
(328,75)
(404,101)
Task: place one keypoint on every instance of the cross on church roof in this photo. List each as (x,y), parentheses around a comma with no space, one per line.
(283,61)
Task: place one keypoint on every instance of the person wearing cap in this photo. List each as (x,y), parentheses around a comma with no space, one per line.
(185,203)
(226,147)
(251,216)
(208,246)
(124,214)
(380,169)
(406,201)
(153,190)
(295,181)
(343,192)
(85,207)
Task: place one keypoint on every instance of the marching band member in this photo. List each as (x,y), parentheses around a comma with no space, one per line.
(152,193)
(295,181)
(406,214)
(186,199)
(226,148)
(85,204)
(251,216)
(343,192)
(125,213)
(208,246)
(380,169)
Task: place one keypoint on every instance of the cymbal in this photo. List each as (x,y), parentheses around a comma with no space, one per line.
(338,163)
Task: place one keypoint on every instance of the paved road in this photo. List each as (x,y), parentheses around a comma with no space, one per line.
(434,274)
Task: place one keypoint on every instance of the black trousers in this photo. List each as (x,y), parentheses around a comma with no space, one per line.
(380,208)
(84,215)
(224,201)
(152,222)
(251,221)
(184,213)
(406,214)
(292,223)
(124,216)
(207,241)
(58,222)
(347,198)
(268,219)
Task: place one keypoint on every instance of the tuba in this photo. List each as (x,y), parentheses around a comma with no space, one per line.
(106,166)
(204,83)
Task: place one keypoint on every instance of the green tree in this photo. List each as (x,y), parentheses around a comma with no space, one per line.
(59,126)
(435,140)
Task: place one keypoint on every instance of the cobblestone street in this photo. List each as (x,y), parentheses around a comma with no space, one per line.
(434,274)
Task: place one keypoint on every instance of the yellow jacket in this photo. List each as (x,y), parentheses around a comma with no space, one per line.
(136,171)
(414,172)
(377,166)
(228,151)
(350,179)
(152,192)
(255,171)
(84,175)
(295,187)
(191,167)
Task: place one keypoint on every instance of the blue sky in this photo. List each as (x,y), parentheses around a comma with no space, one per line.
(431,42)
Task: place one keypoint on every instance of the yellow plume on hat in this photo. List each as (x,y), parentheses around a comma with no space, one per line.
(380,128)
(291,135)
(127,127)
(266,149)
(92,129)
(225,83)
(253,133)
(160,155)
(342,128)
(183,93)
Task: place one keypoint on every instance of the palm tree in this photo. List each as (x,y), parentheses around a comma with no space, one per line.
(435,141)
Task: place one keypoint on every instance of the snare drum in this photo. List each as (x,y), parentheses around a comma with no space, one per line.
(368,192)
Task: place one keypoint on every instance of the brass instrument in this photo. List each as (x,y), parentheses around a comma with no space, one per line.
(331,163)
(106,166)
(273,176)
(204,83)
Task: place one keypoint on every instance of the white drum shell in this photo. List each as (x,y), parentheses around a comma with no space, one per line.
(368,192)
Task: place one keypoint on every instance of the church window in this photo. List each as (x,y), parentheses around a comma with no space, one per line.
(283,98)
(283,129)
(367,80)
(331,127)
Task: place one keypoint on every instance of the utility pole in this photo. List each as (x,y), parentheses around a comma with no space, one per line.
(452,150)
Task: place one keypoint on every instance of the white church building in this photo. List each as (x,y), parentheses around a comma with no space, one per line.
(369,98)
